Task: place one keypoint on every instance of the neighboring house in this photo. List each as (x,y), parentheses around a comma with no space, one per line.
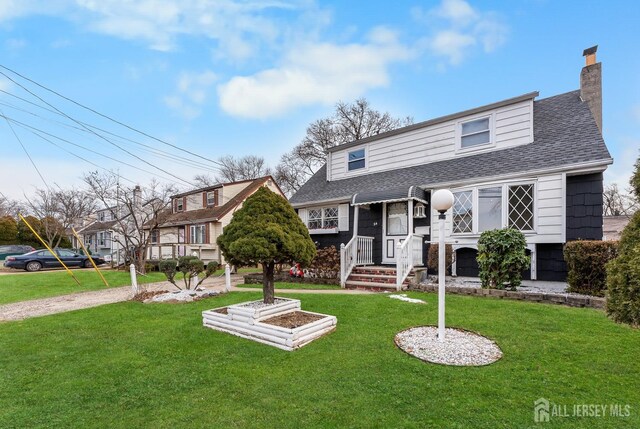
(99,236)
(534,165)
(196,219)
(613,226)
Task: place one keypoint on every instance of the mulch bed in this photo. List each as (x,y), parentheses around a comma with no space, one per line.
(142,296)
(293,320)
(223,310)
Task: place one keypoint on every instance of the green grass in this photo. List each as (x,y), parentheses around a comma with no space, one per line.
(22,287)
(286,285)
(135,365)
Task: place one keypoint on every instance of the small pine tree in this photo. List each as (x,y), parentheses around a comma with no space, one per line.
(266,231)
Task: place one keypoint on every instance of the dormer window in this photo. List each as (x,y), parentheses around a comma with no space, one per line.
(211,199)
(356,159)
(475,133)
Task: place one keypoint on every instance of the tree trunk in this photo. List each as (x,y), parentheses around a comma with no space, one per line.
(267,282)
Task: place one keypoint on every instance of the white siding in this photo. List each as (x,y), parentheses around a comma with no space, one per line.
(513,125)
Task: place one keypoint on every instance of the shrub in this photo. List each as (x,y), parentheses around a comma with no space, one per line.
(623,277)
(502,257)
(433,254)
(191,267)
(586,265)
(326,264)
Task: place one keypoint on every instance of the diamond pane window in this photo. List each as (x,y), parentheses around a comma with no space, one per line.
(463,212)
(331,217)
(521,207)
(315,219)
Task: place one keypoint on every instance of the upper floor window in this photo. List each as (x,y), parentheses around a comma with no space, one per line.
(211,199)
(155,235)
(475,133)
(102,216)
(179,204)
(356,159)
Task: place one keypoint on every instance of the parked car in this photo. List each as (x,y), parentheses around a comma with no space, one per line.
(38,259)
(14,249)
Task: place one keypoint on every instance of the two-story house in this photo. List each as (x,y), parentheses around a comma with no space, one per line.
(99,237)
(196,218)
(531,164)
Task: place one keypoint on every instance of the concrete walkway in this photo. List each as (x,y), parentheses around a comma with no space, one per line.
(76,301)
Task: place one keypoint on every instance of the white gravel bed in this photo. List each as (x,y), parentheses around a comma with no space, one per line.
(182,296)
(459,348)
(261,304)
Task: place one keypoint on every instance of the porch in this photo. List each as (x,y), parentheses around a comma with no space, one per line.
(399,231)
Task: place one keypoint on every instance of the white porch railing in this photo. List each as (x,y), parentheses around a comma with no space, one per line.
(409,255)
(358,251)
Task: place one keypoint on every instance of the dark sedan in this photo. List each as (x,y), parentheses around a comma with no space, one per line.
(38,259)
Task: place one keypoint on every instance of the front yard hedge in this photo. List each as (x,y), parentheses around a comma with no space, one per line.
(502,256)
(586,265)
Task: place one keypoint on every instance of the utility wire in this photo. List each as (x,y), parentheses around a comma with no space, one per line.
(32,129)
(93,132)
(26,151)
(151,148)
(103,115)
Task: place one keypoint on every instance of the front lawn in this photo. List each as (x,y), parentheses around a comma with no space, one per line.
(154,366)
(287,285)
(22,287)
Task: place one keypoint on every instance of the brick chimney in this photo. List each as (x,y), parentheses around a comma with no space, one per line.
(591,84)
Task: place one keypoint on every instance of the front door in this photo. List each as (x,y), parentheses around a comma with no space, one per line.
(395,229)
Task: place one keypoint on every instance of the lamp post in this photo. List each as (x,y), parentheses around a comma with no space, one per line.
(441,200)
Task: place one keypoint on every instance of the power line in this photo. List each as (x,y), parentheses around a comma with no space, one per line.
(153,150)
(93,132)
(32,129)
(102,115)
(25,151)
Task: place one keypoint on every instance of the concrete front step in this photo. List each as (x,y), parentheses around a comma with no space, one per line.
(388,271)
(374,278)
(372,286)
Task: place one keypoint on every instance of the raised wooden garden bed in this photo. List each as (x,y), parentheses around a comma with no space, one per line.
(282,324)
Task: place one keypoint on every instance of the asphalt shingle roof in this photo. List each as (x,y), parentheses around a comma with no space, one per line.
(565,134)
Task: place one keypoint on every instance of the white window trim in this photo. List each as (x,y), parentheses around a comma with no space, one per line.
(366,160)
(492,134)
(505,206)
(323,230)
(214,198)
(192,235)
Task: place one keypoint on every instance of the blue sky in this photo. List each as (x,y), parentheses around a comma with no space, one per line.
(247,77)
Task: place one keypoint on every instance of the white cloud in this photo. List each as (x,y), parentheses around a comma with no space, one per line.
(191,93)
(622,169)
(314,73)
(15,43)
(459,29)
(238,27)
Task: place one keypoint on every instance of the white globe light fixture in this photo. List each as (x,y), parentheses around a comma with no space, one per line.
(441,200)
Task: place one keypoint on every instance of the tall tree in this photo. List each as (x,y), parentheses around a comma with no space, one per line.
(58,210)
(349,122)
(138,210)
(618,203)
(8,230)
(266,231)
(248,167)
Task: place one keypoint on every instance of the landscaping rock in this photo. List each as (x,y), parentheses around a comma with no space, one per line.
(182,296)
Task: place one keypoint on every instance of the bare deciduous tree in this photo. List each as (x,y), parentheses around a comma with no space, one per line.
(244,168)
(58,209)
(138,212)
(349,122)
(618,203)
